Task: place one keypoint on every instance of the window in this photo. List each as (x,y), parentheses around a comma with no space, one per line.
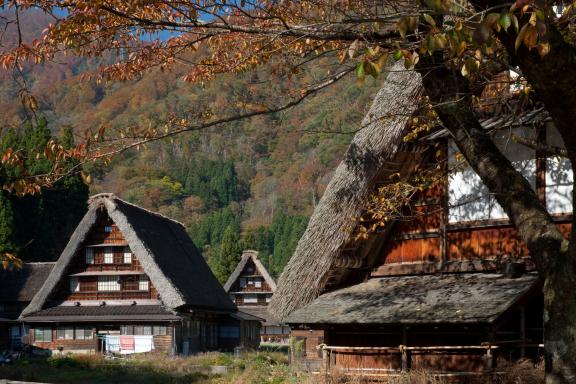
(143,283)
(233,298)
(257,283)
(469,198)
(127,256)
(147,330)
(242,282)
(159,330)
(84,334)
(74,284)
(229,332)
(43,334)
(250,299)
(108,229)
(89,255)
(268,298)
(65,333)
(127,330)
(108,283)
(108,255)
(250,281)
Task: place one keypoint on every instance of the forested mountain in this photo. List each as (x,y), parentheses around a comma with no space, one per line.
(249,184)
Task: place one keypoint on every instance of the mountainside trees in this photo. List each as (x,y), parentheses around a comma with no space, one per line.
(37,227)
(458,46)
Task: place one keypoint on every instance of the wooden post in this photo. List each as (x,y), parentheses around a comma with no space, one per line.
(326,359)
(405,352)
(489,359)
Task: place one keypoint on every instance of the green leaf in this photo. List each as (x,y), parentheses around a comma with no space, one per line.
(360,71)
(505,21)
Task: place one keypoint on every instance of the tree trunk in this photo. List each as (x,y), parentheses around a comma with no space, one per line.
(450,93)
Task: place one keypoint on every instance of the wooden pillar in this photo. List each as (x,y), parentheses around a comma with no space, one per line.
(326,359)
(406,363)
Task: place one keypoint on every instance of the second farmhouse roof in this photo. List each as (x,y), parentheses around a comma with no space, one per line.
(164,249)
(446,298)
(375,144)
(250,255)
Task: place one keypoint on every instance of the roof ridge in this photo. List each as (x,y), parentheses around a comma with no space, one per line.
(111,196)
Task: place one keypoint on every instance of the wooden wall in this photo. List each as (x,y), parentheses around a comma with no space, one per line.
(88,284)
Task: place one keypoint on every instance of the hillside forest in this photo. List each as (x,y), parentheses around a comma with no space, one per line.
(249,184)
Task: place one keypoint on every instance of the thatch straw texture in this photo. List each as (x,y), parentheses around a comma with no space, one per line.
(329,229)
(165,251)
(250,255)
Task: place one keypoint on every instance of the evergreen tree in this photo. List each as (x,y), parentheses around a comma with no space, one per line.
(6,225)
(229,254)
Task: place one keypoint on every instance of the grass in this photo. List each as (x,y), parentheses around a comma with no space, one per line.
(253,367)
(262,367)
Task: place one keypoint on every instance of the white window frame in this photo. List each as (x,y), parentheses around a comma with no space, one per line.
(109,284)
(108,229)
(127,255)
(74,284)
(257,283)
(268,298)
(242,282)
(143,283)
(250,299)
(89,255)
(108,255)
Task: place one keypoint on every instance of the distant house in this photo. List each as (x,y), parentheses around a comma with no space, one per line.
(17,288)
(450,287)
(131,280)
(251,287)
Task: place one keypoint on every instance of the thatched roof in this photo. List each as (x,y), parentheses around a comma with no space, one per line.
(165,251)
(22,284)
(456,298)
(249,255)
(329,229)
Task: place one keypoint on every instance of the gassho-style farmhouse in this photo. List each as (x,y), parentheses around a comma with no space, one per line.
(128,281)
(451,289)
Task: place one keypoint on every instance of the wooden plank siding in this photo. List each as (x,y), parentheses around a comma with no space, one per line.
(88,289)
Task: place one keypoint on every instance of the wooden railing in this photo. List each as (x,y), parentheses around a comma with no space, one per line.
(329,354)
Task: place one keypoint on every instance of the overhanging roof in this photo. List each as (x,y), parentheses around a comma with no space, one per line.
(106,313)
(457,298)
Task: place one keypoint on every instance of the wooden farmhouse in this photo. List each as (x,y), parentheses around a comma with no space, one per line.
(449,287)
(251,287)
(17,288)
(129,281)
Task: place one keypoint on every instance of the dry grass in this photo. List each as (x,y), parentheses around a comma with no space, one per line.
(250,368)
(522,372)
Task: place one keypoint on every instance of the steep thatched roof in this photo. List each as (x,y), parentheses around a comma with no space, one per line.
(165,251)
(22,284)
(456,298)
(329,229)
(250,255)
